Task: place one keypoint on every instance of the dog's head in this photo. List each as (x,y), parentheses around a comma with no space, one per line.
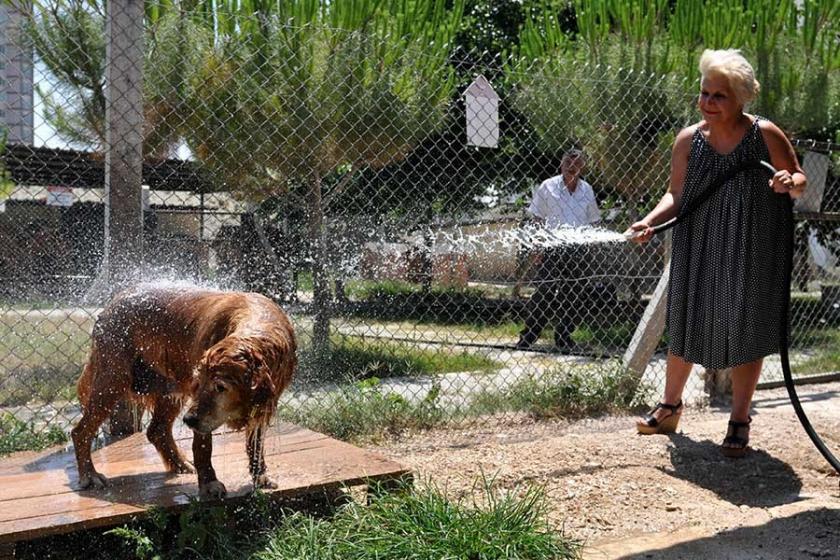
(231,385)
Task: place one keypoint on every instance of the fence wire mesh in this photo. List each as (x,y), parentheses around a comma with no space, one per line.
(409,211)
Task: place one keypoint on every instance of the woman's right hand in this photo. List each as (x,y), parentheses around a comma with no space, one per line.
(640,232)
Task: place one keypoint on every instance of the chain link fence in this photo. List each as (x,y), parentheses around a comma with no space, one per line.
(385,195)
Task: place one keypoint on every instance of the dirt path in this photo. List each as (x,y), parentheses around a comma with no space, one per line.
(628,496)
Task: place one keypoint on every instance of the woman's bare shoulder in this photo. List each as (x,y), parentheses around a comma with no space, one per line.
(774,137)
(769,128)
(684,137)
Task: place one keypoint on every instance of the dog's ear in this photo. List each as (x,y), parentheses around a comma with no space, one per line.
(261,383)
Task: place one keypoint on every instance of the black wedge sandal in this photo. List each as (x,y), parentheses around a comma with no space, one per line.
(668,425)
(737,439)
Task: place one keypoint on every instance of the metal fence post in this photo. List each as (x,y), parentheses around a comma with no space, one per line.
(123,160)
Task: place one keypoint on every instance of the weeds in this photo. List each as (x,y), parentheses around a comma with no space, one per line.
(423,524)
(17,435)
(568,392)
(366,410)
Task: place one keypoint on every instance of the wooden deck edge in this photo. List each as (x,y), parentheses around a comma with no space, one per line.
(389,481)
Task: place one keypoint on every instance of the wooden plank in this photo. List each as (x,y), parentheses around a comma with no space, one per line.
(312,467)
(137,449)
(41,502)
(650,328)
(137,446)
(145,460)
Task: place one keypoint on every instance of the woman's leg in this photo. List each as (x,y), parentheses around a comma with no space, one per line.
(677,371)
(744,380)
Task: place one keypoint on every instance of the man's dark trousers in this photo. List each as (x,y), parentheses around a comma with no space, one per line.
(561,295)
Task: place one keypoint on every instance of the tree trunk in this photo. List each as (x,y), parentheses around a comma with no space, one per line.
(321,287)
(124,164)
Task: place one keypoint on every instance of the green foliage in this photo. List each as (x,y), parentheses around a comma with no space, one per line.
(68,37)
(198,531)
(365,410)
(792,45)
(48,374)
(423,524)
(419,523)
(385,289)
(353,358)
(623,119)
(16,435)
(569,392)
(306,99)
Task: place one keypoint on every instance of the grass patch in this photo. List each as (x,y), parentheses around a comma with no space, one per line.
(397,301)
(567,392)
(365,410)
(824,347)
(369,411)
(354,358)
(17,435)
(412,523)
(423,524)
(42,356)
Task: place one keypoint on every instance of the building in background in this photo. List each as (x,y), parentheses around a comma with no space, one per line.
(16,80)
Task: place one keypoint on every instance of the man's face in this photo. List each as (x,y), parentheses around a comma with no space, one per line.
(571,168)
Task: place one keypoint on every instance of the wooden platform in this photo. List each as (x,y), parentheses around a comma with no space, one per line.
(39,496)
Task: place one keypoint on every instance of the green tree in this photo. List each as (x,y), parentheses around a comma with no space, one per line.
(624,79)
(68,37)
(298,99)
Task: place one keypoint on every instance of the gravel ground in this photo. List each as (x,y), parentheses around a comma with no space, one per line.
(628,496)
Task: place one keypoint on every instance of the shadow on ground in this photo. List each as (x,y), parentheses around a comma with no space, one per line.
(757,480)
(809,534)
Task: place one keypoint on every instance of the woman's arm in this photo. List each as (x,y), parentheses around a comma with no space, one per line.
(669,204)
(790,178)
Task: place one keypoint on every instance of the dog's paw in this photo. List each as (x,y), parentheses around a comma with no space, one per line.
(93,480)
(264,483)
(213,490)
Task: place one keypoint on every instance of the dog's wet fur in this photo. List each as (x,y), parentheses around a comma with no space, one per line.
(228,355)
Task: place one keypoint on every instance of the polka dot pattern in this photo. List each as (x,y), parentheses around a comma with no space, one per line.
(728,288)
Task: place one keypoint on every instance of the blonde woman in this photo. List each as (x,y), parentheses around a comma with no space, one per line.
(728,263)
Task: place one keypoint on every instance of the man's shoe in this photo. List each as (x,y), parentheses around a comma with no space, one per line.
(564,343)
(523,344)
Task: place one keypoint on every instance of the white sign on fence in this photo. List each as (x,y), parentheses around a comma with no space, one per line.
(59,196)
(816,169)
(482,114)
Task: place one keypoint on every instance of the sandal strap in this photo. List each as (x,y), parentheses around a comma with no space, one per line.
(739,437)
(651,421)
(672,407)
(736,441)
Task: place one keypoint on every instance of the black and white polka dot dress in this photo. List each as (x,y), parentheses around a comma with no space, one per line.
(729,258)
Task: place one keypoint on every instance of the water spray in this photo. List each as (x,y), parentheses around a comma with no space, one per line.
(784,342)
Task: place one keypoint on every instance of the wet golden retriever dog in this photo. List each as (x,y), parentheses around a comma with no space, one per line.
(228,355)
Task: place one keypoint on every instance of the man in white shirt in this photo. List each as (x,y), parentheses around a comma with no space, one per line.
(564,200)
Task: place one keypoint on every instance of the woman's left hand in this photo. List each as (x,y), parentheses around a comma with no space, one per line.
(782,182)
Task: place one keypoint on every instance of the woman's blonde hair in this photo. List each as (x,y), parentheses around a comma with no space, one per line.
(731,64)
